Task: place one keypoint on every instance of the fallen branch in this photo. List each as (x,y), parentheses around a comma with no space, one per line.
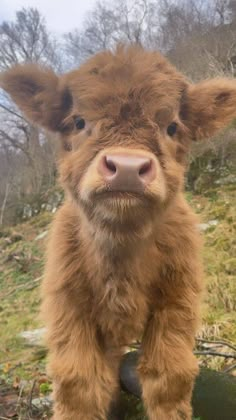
(211,351)
(16,114)
(220,342)
(214,353)
(20,396)
(31,397)
(230,368)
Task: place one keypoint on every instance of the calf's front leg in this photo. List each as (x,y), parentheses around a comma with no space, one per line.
(85,380)
(167,366)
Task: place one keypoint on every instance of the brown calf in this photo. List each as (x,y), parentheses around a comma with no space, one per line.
(123,258)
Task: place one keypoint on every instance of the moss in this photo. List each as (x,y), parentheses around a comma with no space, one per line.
(133,407)
(42,220)
(45,388)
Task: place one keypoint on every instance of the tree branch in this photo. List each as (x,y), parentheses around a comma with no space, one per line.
(12,112)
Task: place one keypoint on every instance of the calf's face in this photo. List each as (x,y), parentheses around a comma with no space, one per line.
(126,140)
(126,121)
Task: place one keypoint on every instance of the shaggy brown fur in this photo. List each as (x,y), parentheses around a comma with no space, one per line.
(122,266)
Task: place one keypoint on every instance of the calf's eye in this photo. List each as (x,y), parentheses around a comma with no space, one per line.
(79,123)
(171,129)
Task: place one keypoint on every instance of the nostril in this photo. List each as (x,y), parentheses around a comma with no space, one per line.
(145,168)
(110,164)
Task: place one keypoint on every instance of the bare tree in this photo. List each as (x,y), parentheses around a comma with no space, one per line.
(25,40)
(125,21)
(4,202)
(222,11)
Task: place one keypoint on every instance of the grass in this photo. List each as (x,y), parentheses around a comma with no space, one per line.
(219,258)
(21,262)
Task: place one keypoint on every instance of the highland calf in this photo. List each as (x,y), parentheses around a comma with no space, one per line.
(123,257)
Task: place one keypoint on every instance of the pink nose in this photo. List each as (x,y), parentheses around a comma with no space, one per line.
(127,172)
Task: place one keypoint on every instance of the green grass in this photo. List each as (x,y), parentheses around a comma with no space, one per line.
(21,262)
(219,257)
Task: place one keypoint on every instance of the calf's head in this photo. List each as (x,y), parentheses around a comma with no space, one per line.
(126,121)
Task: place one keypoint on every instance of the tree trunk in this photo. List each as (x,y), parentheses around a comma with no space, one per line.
(4,202)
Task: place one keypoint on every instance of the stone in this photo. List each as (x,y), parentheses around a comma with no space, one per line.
(41,235)
(205,226)
(34,337)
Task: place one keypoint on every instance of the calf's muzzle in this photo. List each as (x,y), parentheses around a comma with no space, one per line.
(126,172)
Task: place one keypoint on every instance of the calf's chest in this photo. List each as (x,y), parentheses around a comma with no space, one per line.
(121,306)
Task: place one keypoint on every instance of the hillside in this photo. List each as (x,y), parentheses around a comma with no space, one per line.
(22,366)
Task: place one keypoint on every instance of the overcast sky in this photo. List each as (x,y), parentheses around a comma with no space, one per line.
(61,15)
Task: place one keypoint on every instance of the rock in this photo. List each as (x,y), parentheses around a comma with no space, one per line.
(205,226)
(53,202)
(34,337)
(42,402)
(27,212)
(41,235)
(230,179)
(214,395)
(116,412)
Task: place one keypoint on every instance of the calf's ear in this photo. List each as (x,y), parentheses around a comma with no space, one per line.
(209,106)
(39,93)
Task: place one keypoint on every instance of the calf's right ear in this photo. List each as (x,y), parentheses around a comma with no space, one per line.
(39,93)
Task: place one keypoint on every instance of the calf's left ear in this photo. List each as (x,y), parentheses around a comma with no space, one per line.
(209,106)
(39,93)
